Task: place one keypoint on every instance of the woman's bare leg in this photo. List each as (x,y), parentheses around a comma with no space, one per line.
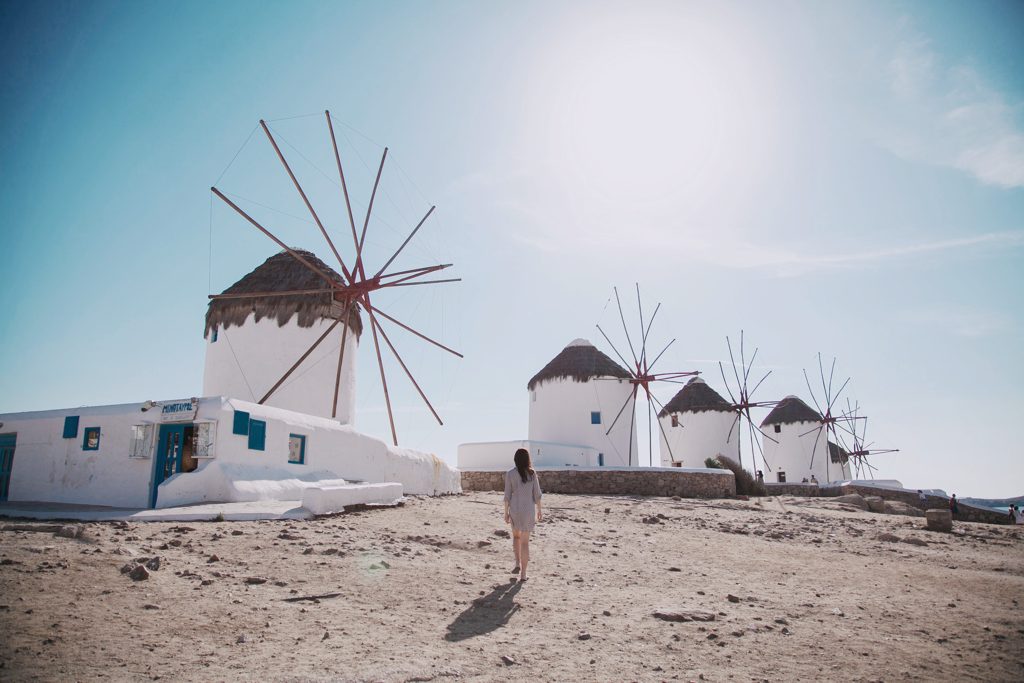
(515,545)
(524,553)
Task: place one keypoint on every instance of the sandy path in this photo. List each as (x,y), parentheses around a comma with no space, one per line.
(820,599)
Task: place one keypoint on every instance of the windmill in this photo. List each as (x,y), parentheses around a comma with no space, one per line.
(742,402)
(354,288)
(828,421)
(856,428)
(640,373)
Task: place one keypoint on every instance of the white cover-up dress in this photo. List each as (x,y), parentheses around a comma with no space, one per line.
(522,498)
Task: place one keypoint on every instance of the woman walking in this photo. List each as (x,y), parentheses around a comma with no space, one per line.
(522,492)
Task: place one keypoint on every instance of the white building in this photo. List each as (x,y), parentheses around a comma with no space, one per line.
(697,424)
(252,342)
(575,399)
(171,453)
(231,446)
(797,447)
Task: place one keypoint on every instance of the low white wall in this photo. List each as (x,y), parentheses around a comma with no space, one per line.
(48,468)
(322,501)
(334,453)
(498,455)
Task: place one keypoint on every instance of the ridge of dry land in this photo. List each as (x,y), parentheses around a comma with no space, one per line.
(800,589)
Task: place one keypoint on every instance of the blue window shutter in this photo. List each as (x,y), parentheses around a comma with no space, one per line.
(595,418)
(257,435)
(71,427)
(241,424)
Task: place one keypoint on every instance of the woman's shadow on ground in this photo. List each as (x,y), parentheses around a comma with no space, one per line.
(485,614)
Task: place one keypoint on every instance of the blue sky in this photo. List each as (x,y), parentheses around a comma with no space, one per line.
(844,178)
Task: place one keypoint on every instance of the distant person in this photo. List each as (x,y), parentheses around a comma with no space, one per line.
(954,510)
(1011,518)
(805,481)
(1018,516)
(760,477)
(522,493)
(814,480)
(924,500)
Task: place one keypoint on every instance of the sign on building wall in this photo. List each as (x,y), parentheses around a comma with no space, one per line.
(181,411)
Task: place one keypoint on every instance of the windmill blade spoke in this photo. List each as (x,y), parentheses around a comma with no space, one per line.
(424,282)
(750,367)
(811,392)
(422,271)
(344,187)
(369,210)
(299,362)
(279,242)
(732,359)
(631,397)
(735,421)
(767,436)
(411,235)
(725,382)
(650,434)
(664,435)
(402,363)
(761,450)
(632,419)
(380,365)
(751,394)
(651,367)
(613,348)
(815,449)
(406,327)
(262,294)
(341,358)
(831,373)
(643,337)
(623,319)
(409,277)
(743,362)
(309,206)
(838,393)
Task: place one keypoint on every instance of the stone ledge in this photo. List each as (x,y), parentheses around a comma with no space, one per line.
(618,481)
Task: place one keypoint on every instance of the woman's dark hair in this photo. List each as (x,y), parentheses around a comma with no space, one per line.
(522,460)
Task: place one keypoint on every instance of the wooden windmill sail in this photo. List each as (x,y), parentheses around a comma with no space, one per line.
(828,424)
(857,449)
(641,373)
(742,402)
(351,290)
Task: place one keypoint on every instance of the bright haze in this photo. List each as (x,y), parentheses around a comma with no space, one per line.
(844,178)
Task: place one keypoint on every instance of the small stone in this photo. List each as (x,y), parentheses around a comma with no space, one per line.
(781,620)
(738,633)
(140,573)
(583,636)
(280,584)
(701,593)
(207,582)
(712,636)
(256,580)
(939,520)
(128,567)
(236,532)
(838,612)
(327,634)
(674,569)
(307,551)
(732,598)
(151,607)
(952,604)
(912,540)
(483,544)
(888,538)
(785,630)
(501,532)
(606,613)
(507,661)
(154,563)
(244,639)
(680,614)
(213,558)
(70,531)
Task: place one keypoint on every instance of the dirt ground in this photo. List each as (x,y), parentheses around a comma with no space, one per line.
(423,592)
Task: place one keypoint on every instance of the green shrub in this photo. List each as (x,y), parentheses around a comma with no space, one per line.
(746,485)
(713,464)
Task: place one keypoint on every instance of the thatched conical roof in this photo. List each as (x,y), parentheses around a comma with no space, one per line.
(696,397)
(581,361)
(282,272)
(838,453)
(790,410)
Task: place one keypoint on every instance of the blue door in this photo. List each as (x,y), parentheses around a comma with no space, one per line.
(6,462)
(168,455)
